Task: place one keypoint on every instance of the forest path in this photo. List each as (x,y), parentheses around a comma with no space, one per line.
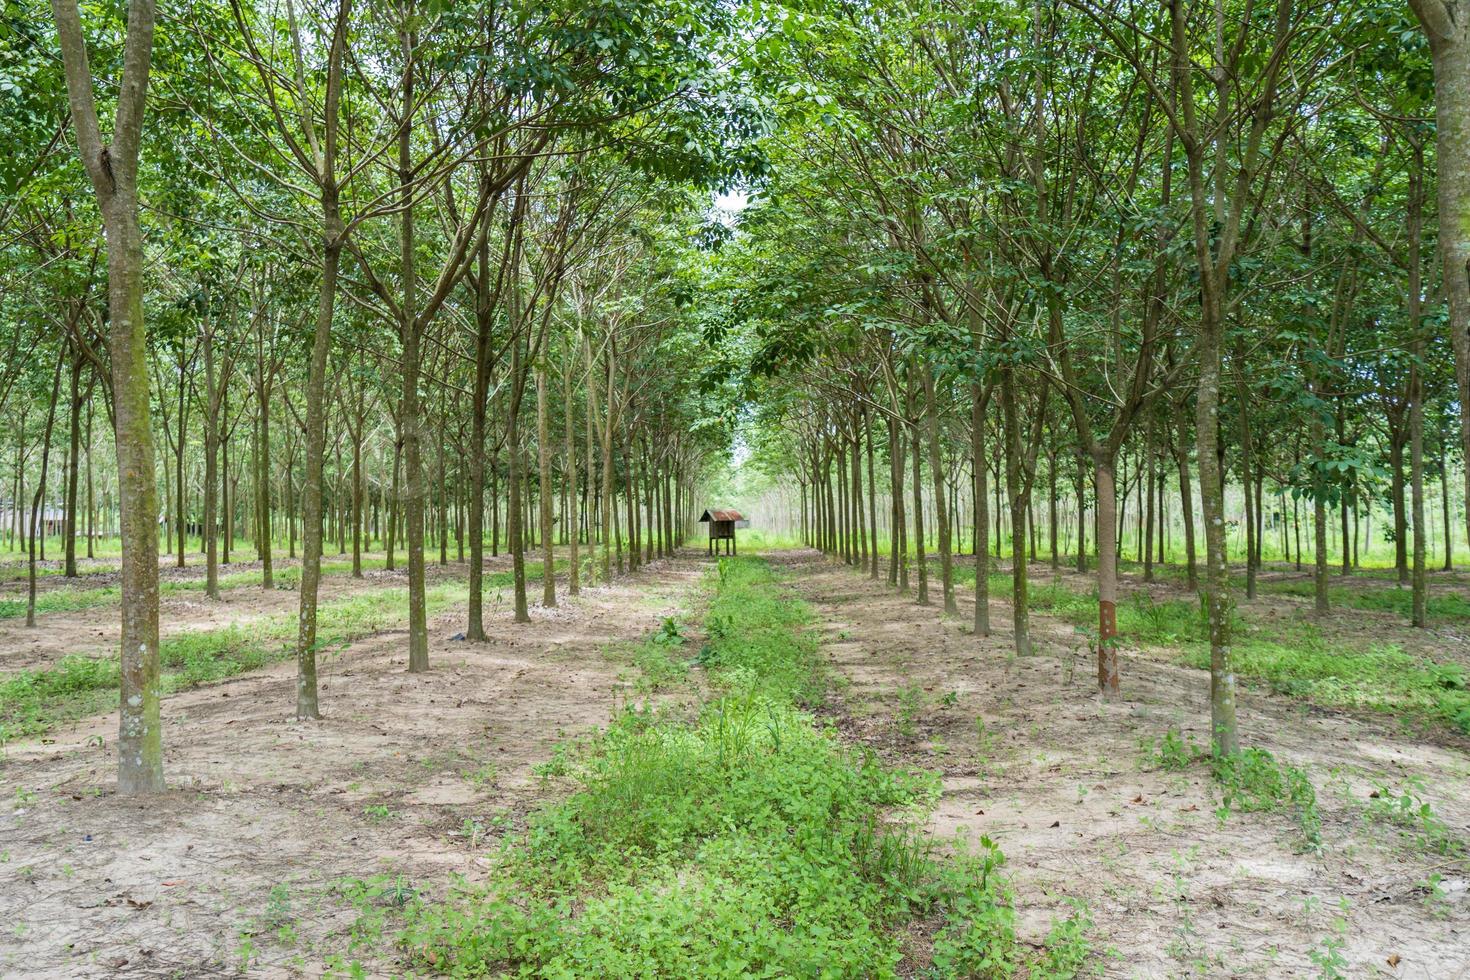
(1055,777)
(266,813)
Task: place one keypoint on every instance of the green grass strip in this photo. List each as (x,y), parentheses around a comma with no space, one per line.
(750,841)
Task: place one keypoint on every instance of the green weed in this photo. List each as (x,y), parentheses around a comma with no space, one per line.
(1253,780)
(1173,752)
(748,841)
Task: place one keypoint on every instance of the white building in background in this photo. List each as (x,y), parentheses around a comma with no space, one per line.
(52,520)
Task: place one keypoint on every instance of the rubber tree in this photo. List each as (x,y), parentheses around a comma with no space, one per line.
(112,168)
(1447,24)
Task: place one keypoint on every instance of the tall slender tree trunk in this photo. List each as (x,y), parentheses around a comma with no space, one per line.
(211,467)
(979,396)
(357,491)
(607,469)
(1080,488)
(92,505)
(73,467)
(409,363)
(1107,575)
(574,531)
(179,447)
(113,170)
(263,482)
(1396,439)
(515,518)
(38,503)
(872,497)
(307,706)
(1448,29)
(543,452)
(1419,614)
(921,560)
(1020,602)
(941,493)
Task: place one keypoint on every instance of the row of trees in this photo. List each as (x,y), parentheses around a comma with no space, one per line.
(803,476)
(1001,241)
(1227,239)
(404,268)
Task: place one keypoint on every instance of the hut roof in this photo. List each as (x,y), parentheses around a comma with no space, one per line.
(720,515)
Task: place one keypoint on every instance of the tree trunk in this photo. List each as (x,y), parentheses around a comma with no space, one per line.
(978,398)
(941,494)
(38,503)
(1419,615)
(1107,576)
(514,515)
(113,171)
(410,420)
(1449,45)
(921,561)
(211,467)
(1020,603)
(1217,573)
(73,467)
(543,452)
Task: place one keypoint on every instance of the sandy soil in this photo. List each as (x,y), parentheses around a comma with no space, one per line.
(1056,778)
(95,632)
(265,814)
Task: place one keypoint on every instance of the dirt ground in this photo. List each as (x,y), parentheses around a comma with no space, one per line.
(414,777)
(265,813)
(1056,778)
(94,632)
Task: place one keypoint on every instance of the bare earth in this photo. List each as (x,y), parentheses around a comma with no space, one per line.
(266,813)
(414,776)
(1059,785)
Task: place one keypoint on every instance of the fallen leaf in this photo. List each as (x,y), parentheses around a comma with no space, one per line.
(170,884)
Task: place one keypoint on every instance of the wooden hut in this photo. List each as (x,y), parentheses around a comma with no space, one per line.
(721,528)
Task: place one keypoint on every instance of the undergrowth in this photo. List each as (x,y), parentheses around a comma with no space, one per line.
(749,840)
(32,702)
(1290,655)
(1254,780)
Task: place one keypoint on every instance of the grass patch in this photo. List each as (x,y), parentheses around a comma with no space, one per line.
(1289,655)
(32,702)
(1379,677)
(1398,601)
(1253,780)
(61,600)
(747,841)
(78,599)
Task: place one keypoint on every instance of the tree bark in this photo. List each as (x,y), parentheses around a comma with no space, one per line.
(941,494)
(979,396)
(113,171)
(1449,45)
(543,452)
